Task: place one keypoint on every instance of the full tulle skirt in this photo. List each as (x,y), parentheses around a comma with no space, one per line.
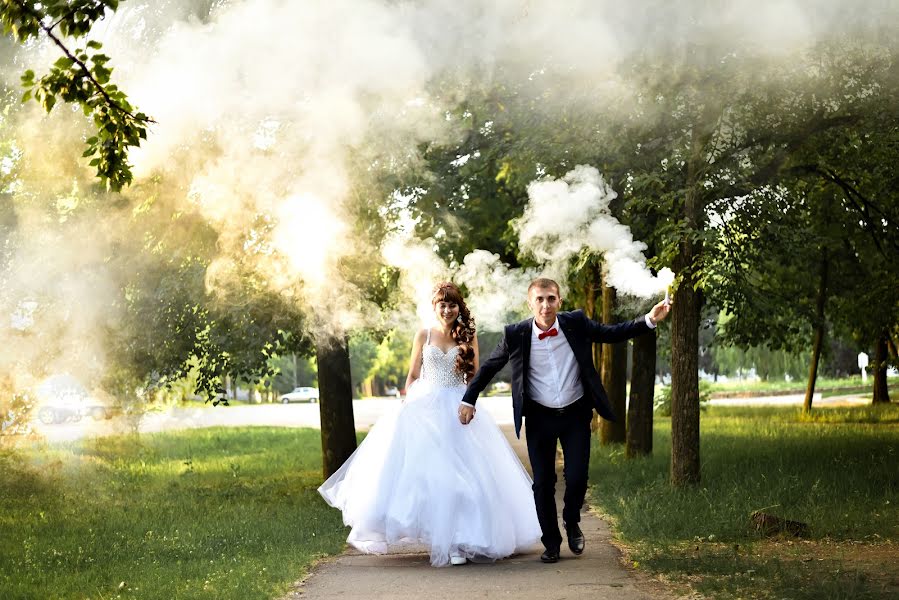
(420,477)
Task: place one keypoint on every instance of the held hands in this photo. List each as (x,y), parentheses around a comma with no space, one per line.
(659,311)
(466,413)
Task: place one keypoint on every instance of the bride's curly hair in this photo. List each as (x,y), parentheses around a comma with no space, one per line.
(463,330)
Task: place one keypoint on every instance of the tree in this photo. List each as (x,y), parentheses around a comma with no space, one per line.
(217,338)
(334,383)
(81,76)
(814,244)
(614,375)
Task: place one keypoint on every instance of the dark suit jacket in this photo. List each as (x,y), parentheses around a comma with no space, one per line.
(580,332)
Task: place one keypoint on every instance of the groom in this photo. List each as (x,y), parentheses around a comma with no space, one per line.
(555,387)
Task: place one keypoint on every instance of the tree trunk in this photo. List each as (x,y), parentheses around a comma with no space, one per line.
(818,342)
(685,328)
(639,409)
(685,385)
(594,281)
(614,377)
(335,403)
(879,371)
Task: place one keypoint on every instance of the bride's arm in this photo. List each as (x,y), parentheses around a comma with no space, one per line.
(415,361)
(477,355)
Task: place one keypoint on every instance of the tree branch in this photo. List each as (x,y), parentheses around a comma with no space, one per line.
(48,30)
(855,197)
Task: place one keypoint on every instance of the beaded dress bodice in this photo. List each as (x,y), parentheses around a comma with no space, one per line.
(439,367)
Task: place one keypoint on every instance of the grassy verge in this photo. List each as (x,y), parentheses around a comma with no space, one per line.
(835,471)
(827,387)
(211,513)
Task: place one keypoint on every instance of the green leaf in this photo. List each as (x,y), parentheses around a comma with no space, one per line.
(95,45)
(64,62)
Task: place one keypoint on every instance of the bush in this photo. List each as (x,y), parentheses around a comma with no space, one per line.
(662,400)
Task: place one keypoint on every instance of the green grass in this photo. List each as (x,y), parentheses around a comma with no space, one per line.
(210,513)
(826,386)
(836,471)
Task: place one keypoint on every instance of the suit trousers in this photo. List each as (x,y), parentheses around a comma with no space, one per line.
(545,429)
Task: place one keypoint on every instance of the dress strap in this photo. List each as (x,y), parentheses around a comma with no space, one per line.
(428,341)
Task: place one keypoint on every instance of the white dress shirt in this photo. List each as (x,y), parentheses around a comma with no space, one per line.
(553,374)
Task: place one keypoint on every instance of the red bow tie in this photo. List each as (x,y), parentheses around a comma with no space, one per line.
(549,333)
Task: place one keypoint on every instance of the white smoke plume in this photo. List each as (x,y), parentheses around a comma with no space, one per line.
(565,216)
(420,270)
(496,293)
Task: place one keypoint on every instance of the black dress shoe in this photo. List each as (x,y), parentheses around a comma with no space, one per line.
(575,539)
(550,556)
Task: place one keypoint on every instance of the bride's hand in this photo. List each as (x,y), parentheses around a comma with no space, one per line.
(466,413)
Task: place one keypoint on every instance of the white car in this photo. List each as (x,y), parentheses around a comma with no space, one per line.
(301,394)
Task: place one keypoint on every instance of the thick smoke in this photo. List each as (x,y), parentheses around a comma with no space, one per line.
(268,111)
(568,215)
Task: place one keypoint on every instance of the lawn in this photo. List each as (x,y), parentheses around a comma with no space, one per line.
(209,513)
(836,471)
(826,386)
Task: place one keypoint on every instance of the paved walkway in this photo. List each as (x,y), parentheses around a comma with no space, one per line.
(365,413)
(597,574)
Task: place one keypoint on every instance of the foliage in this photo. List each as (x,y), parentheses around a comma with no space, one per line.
(768,364)
(363,354)
(15,413)
(392,362)
(662,399)
(82,77)
(290,371)
(381,360)
(826,220)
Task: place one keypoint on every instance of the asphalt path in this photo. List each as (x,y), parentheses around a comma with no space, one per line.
(366,413)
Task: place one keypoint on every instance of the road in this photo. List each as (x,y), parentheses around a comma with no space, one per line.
(366,412)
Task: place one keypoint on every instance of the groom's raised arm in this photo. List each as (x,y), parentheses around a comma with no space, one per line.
(618,332)
(489,368)
(611,334)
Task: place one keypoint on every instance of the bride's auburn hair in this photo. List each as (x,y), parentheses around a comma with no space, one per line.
(463,330)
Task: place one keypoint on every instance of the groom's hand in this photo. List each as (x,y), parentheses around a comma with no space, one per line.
(466,413)
(659,312)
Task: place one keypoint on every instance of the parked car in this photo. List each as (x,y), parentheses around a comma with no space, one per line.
(62,398)
(65,409)
(394,392)
(301,394)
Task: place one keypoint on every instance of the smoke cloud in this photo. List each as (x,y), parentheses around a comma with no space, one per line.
(268,112)
(568,215)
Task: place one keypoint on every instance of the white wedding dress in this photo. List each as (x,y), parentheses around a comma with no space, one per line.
(420,477)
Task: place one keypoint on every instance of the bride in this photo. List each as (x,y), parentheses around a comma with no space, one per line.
(422,477)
